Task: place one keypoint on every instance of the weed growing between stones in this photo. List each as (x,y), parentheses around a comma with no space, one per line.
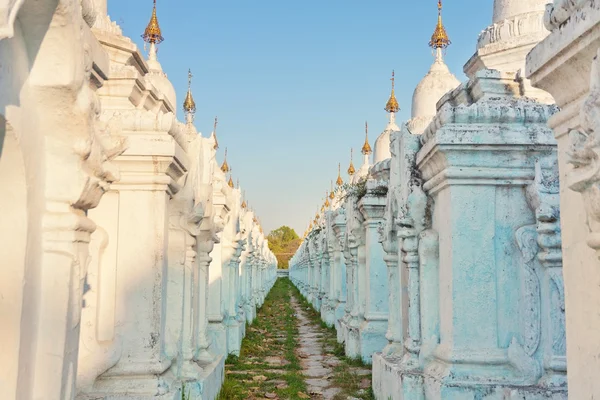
(268,367)
(350,377)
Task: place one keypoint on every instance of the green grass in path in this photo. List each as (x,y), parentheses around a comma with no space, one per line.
(268,364)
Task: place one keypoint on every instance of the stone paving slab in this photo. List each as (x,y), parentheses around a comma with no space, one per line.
(316,360)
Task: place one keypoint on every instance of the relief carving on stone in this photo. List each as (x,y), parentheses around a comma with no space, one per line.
(102,145)
(8,15)
(509,29)
(560,11)
(526,238)
(585,157)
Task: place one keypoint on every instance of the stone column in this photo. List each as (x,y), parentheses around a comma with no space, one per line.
(201,293)
(374,326)
(145,189)
(389,241)
(234,338)
(480,206)
(339,227)
(325,265)
(249,293)
(355,233)
(318,257)
(312,257)
(565,64)
(215,298)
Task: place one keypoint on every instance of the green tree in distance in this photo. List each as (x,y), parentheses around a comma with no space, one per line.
(283,242)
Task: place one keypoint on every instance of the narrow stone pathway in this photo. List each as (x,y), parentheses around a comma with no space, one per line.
(289,354)
(315,366)
(329,375)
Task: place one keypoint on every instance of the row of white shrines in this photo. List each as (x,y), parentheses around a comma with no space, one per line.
(129,264)
(463,264)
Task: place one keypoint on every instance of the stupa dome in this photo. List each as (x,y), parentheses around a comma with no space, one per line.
(438,81)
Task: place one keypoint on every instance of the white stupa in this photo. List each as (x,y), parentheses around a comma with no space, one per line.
(366,151)
(153,37)
(517,26)
(438,81)
(382,144)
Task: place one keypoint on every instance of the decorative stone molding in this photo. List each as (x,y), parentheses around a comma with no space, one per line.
(584,156)
(520,29)
(560,11)
(8,13)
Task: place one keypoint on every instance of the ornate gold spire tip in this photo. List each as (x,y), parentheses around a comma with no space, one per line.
(392,105)
(339,180)
(189,105)
(327,199)
(439,39)
(351,169)
(152,34)
(366,149)
(225,167)
(230,183)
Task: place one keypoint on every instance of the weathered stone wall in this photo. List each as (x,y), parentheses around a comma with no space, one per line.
(565,64)
(110,219)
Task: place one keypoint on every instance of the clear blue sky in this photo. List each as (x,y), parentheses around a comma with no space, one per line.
(292,82)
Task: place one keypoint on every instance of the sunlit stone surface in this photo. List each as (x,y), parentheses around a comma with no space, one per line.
(469,231)
(114,208)
(565,64)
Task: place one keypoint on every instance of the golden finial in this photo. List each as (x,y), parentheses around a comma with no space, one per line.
(339,180)
(152,34)
(392,104)
(230,183)
(351,169)
(331,195)
(439,39)
(366,149)
(326,199)
(216,146)
(225,167)
(189,106)
(310,227)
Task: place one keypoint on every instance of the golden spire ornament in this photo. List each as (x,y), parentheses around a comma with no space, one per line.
(225,167)
(327,199)
(351,169)
(439,39)
(339,180)
(331,194)
(189,105)
(216,146)
(392,104)
(152,34)
(230,183)
(366,149)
